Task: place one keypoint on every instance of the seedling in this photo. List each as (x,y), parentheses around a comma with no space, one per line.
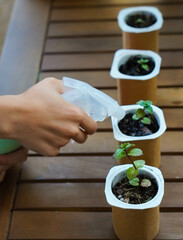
(143,63)
(141,112)
(133,172)
(139,20)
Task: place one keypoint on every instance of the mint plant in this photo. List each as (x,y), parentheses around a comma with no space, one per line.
(133,172)
(141,112)
(143,63)
(139,20)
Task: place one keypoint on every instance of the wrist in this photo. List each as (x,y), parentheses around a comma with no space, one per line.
(10,106)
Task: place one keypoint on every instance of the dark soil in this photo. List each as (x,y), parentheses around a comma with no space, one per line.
(133,68)
(132,127)
(135,195)
(140,20)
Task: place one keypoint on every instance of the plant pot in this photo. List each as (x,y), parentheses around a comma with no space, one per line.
(149,144)
(7,146)
(146,38)
(134,88)
(134,221)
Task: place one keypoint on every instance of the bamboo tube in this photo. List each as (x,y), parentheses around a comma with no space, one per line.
(144,41)
(131,224)
(131,91)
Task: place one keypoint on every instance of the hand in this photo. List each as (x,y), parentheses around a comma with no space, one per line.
(8,160)
(44,121)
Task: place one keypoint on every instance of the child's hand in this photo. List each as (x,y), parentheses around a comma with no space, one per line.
(43,121)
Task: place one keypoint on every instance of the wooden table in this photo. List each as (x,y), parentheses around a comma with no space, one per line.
(63,197)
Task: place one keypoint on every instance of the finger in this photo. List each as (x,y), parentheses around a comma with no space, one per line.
(80,137)
(14,157)
(88,124)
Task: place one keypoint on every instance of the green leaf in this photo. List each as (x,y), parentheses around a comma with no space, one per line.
(149,109)
(145,183)
(135,152)
(132,173)
(148,102)
(120,153)
(125,146)
(146,120)
(140,113)
(142,60)
(139,163)
(139,20)
(145,67)
(129,145)
(134,182)
(134,117)
(141,103)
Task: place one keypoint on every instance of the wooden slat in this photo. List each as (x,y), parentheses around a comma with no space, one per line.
(88,61)
(170,226)
(169,77)
(103,44)
(173,117)
(82,225)
(61,195)
(61,225)
(81,195)
(107,12)
(173,197)
(99,28)
(86,44)
(102,79)
(7,192)
(170,97)
(171,167)
(103,142)
(80,3)
(87,168)
(39,168)
(22,50)
(77,61)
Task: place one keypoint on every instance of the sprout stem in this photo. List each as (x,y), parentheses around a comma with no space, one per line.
(130,159)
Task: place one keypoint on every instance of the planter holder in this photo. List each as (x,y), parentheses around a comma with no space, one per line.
(134,221)
(149,144)
(134,88)
(8,145)
(140,38)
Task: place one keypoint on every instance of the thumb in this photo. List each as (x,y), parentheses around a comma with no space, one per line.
(15,157)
